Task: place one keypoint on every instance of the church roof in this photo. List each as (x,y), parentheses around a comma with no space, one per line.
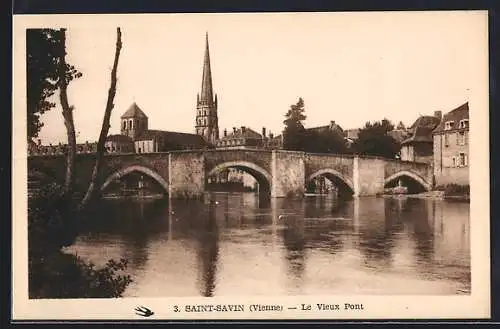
(119,138)
(133,112)
(175,140)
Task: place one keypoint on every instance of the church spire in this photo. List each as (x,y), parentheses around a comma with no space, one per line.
(206,105)
(206,96)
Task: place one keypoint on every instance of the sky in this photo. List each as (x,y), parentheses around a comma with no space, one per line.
(348,67)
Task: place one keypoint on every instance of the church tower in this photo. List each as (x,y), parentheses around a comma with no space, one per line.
(134,122)
(206,104)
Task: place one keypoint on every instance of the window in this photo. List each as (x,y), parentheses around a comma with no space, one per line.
(448,125)
(462,160)
(130,124)
(454,162)
(461,138)
(125,124)
(464,123)
(446,140)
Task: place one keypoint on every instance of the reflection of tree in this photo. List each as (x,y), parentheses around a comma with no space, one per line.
(208,252)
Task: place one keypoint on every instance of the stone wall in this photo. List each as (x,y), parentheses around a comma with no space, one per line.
(186,175)
(341,163)
(288,174)
(368,176)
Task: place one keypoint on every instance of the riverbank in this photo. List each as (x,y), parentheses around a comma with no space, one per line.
(435,195)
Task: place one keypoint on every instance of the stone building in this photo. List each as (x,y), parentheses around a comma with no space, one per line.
(451,148)
(245,137)
(418,146)
(119,144)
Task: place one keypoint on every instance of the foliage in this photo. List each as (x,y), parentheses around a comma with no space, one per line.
(374,140)
(326,141)
(53,224)
(60,275)
(43,50)
(294,133)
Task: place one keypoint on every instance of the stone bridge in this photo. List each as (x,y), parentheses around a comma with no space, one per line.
(279,173)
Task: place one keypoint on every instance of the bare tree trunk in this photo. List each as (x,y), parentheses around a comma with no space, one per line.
(67,112)
(105,124)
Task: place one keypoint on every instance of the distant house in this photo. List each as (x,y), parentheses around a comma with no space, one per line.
(451,147)
(119,144)
(418,146)
(333,126)
(245,137)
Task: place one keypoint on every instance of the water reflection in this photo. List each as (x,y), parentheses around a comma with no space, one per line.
(240,244)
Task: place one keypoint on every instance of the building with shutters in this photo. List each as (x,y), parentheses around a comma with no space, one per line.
(451,148)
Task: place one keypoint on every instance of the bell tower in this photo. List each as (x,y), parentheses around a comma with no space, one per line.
(206,103)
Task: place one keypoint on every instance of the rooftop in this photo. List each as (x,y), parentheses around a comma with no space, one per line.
(455,115)
(133,112)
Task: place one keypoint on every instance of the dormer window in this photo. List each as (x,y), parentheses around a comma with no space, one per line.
(464,123)
(448,125)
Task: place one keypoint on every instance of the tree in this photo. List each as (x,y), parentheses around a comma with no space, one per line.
(325,141)
(53,220)
(43,47)
(294,132)
(105,123)
(374,140)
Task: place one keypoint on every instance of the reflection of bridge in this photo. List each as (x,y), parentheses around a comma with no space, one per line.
(279,173)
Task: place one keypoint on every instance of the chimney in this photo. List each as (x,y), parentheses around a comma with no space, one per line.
(225,132)
(234,130)
(264,132)
(242,129)
(270,135)
(438,114)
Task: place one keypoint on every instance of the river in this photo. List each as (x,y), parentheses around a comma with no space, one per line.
(235,244)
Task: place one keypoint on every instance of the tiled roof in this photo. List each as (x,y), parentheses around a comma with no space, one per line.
(175,140)
(421,129)
(421,134)
(133,112)
(243,132)
(425,121)
(460,113)
(331,126)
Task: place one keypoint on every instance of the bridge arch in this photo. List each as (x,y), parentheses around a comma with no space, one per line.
(262,176)
(414,176)
(344,183)
(135,168)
